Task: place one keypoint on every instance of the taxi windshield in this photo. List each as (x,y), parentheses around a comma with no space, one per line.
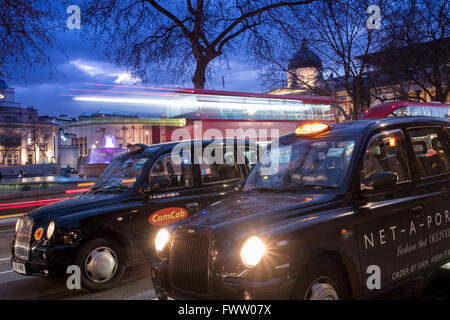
(291,164)
(120,174)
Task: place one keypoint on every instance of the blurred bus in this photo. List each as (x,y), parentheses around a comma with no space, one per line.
(207,111)
(408,108)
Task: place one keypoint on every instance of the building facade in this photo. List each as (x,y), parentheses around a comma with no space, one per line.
(305,77)
(24,137)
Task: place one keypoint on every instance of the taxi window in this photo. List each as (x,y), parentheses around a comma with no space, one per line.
(222,169)
(121,174)
(431,153)
(179,174)
(386,153)
(291,164)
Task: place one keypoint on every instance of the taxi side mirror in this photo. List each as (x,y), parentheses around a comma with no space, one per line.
(379,180)
(156,184)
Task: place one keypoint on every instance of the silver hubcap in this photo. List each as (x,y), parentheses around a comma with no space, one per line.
(101,264)
(322,289)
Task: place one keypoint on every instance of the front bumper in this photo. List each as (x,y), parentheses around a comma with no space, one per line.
(44,261)
(232,288)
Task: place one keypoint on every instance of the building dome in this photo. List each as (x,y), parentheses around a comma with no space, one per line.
(305,58)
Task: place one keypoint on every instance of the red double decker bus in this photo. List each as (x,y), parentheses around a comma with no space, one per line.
(207,111)
(408,108)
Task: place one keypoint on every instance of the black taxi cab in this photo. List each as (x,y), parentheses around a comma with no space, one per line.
(113,224)
(332,211)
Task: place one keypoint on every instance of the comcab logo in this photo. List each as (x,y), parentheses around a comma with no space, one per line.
(38,234)
(167,216)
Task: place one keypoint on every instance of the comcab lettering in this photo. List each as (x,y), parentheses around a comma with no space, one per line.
(172,215)
(168,215)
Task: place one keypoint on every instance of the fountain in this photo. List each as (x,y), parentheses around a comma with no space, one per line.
(99,158)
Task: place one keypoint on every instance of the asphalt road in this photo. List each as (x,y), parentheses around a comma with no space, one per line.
(137,284)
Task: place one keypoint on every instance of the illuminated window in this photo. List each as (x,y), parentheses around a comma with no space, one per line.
(179,174)
(432,155)
(386,153)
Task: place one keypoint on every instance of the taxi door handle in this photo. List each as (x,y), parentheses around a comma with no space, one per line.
(417,211)
(193,206)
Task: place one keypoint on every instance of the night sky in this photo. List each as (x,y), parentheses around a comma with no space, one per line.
(77,62)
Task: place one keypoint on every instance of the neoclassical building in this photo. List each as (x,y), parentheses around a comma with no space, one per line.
(24,137)
(305,76)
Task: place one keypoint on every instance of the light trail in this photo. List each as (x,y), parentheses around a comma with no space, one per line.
(25,204)
(127,92)
(81,190)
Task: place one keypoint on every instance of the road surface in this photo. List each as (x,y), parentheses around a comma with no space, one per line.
(137,284)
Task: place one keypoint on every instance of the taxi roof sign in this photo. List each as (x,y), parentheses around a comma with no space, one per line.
(311,128)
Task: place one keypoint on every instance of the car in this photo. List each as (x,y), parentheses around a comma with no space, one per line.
(331,211)
(113,224)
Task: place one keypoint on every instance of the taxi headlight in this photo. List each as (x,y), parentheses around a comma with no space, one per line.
(50,229)
(19,221)
(161,239)
(252,251)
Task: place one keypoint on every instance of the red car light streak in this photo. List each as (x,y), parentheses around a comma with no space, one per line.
(25,204)
(81,190)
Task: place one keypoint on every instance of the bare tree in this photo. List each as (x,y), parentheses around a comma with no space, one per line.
(337,31)
(10,141)
(25,32)
(39,139)
(182,38)
(416,55)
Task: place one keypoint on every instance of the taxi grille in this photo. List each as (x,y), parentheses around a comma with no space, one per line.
(23,238)
(189,262)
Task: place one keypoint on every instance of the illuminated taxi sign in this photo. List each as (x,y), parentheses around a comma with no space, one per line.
(311,128)
(135,148)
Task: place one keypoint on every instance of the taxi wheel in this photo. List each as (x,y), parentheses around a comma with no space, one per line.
(322,280)
(102,264)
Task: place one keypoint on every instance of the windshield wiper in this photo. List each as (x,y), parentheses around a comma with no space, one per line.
(314,186)
(109,188)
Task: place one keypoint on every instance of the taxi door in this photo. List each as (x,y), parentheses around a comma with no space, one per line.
(432,159)
(191,188)
(164,206)
(391,225)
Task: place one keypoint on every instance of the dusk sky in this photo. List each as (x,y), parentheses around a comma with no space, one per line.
(78,62)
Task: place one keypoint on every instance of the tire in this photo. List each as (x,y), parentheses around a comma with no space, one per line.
(322,280)
(108,269)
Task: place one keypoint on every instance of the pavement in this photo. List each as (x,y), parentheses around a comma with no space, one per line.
(137,283)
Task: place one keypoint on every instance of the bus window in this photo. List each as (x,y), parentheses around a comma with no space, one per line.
(426,111)
(416,111)
(400,112)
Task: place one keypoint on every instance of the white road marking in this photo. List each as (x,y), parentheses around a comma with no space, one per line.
(9,271)
(4,259)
